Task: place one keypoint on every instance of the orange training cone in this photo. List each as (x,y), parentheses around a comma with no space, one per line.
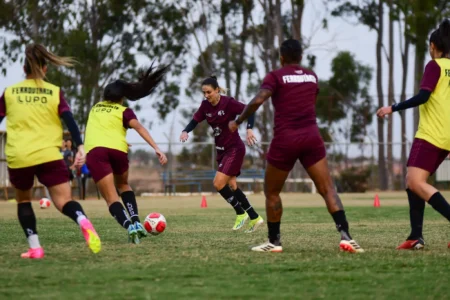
(204,204)
(376,201)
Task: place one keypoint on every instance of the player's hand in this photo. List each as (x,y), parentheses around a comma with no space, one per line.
(80,157)
(384,111)
(251,138)
(233,126)
(161,157)
(184,136)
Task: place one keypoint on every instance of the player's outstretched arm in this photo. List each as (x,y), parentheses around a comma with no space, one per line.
(251,108)
(136,125)
(419,99)
(184,135)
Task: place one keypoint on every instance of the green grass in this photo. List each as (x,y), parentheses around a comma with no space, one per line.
(198,257)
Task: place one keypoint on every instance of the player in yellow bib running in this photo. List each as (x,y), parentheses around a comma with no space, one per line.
(432,141)
(107,148)
(33,108)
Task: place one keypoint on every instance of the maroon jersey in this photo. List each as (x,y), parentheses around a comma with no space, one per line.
(294,90)
(218,117)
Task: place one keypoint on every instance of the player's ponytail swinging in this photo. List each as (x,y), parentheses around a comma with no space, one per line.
(441,38)
(37,56)
(148,80)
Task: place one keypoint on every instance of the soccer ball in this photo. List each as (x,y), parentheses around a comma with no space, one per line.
(44,203)
(155,223)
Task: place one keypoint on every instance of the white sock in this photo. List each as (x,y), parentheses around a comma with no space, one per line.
(33,241)
(80,218)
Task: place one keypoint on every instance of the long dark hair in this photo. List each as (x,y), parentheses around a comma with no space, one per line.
(212,81)
(148,80)
(441,38)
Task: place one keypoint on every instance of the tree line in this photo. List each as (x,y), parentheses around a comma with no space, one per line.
(234,40)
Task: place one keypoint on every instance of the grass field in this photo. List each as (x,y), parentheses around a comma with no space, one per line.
(199,257)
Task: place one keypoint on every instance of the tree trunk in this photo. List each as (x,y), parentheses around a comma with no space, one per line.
(405,61)
(226,41)
(390,158)
(297,15)
(246,11)
(418,72)
(381,158)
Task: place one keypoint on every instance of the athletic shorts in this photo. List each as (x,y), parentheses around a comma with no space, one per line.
(103,161)
(230,161)
(426,156)
(49,174)
(307,147)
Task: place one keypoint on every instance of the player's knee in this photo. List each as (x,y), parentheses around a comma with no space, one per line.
(218,184)
(412,183)
(324,189)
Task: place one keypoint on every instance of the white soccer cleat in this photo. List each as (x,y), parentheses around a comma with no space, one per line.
(268,247)
(350,246)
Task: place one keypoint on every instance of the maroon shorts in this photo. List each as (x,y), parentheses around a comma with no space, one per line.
(285,150)
(103,161)
(49,174)
(230,160)
(426,156)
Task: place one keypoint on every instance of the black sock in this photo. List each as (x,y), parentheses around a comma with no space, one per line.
(240,196)
(118,212)
(73,210)
(129,200)
(341,224)
(27,218)
(416,210)
(437,201)
(227,194)
(274,232)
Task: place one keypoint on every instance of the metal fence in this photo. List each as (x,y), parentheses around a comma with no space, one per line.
(354,168)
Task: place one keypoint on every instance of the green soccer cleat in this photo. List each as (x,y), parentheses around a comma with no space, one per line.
(240,221)
(133,235)
(254,224)
(141,232)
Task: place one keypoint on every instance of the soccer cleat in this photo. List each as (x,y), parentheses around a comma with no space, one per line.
(91,236)
(133,235)
(254,224)
(240,221)
(412,245)
(268,247)
(350,246)
(141,232)
(33,253)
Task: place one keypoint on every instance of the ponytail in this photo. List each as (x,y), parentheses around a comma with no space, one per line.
(441,38)
(146,84)
(212,81)
(37,56)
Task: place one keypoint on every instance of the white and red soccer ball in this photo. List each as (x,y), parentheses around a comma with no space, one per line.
(44,203)
(155,223)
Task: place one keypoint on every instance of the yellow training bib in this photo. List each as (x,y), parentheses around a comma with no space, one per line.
(434,124)
(105,127)
(34,130)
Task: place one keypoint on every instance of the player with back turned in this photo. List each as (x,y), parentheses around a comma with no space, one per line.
(293,90)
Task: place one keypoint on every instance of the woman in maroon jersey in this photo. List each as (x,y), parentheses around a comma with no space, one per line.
(218,110)
(296,137)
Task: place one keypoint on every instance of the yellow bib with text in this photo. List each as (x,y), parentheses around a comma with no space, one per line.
(434,124)
(105,127)
(33,126)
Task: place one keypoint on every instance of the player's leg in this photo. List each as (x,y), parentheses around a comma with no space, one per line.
(255,219)
(424,159)
(273,184)
(97,161)
(221,185)
(129,200)
(320,175)
(22,180)
(54,175)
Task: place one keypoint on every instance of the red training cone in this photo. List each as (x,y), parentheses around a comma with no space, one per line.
(376,201)
(204,204)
